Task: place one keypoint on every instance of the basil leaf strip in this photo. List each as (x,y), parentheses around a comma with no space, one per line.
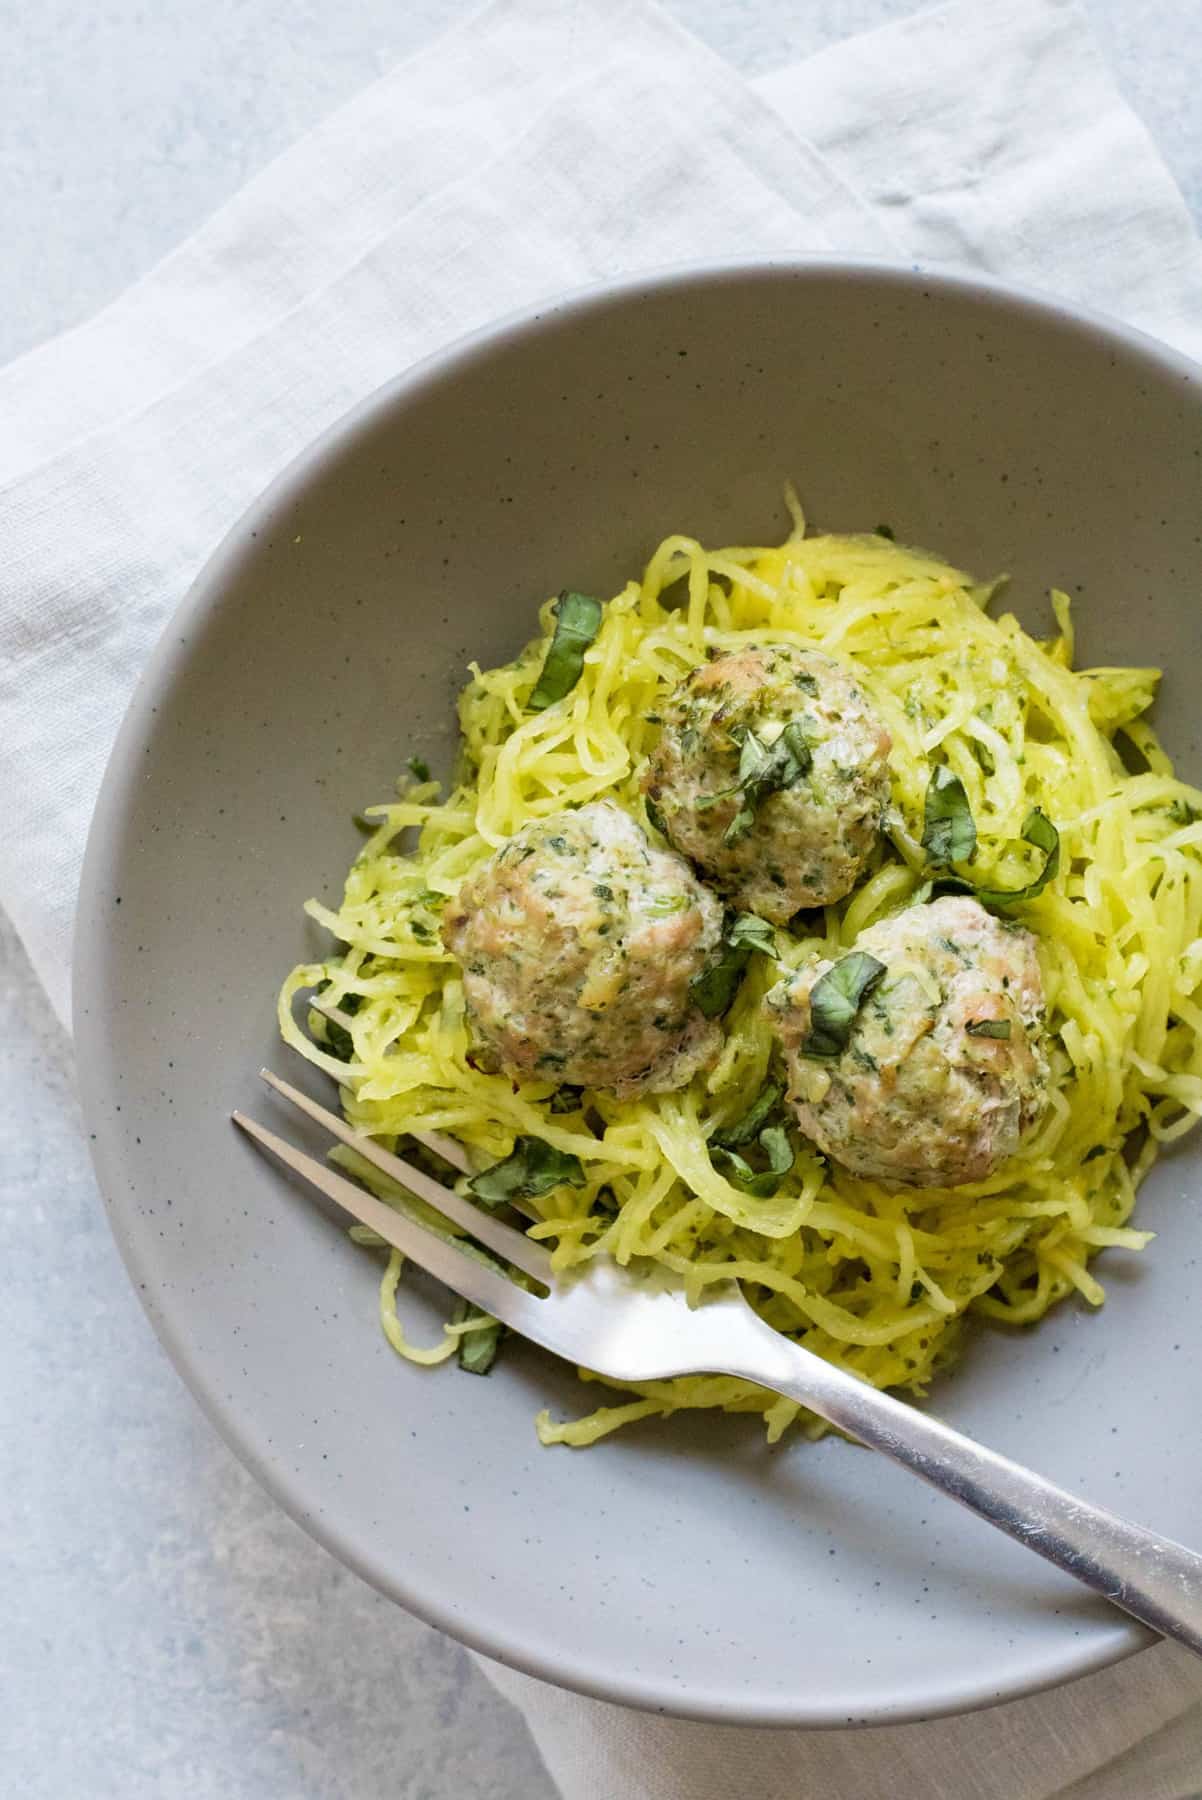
(338,1040)
(478,1349)
(763,769)
(946,830)
(713,990)
(531,1168)
(1038,830)
(988,1028)
(938,887)
(748,1128)
(949,833)
(835,999)
(577,622)
(654,815)
(750,932)
(763,1183)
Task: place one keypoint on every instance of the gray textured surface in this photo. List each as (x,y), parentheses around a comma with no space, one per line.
(122,126)
(165,1629)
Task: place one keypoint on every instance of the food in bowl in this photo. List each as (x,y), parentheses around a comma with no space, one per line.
(916,1079)
(947,1071)
(724,784)
(579,944)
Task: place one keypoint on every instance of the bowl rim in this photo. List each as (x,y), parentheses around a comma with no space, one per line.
(1103,1644)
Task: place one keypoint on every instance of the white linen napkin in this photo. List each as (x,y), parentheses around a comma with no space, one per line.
(543,144)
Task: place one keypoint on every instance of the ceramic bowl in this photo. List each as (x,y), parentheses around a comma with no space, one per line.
(682,1566)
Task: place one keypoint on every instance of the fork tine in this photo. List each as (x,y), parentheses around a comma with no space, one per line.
(443,1146)
(513,1245)
(462,1274)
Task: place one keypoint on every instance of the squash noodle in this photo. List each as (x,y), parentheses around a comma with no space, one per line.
(878,1280)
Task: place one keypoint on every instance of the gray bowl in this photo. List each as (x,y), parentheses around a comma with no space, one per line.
(682,1566)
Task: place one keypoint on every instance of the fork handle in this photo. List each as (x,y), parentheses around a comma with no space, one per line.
(1155,1579)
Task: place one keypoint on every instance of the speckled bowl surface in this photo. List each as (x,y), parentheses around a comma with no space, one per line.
(682,1566)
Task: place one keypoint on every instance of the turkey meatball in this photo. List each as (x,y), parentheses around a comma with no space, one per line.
(771,774)
(943,1068)
(578,941)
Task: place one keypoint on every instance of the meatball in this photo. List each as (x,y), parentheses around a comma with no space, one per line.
(578,941)
(801,838)
(944,1067)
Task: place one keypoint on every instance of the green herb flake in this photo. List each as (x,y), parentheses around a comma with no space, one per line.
(835,1000)
(577,622)
(764,769)
(654,816)
(478,1349)
(949,833)
(748,1128)
(989,1028)
(762,1183)
(338,1040)
(761,1126)
(885,531)
(713,990)
(418,767)
(532,1168)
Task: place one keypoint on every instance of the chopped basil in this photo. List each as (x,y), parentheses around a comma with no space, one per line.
(419,768)
(748,1128)
(654,815)
(949,834)
(531,1168)
(478,1349)
(778,1151)
(577,621)
(714,989)
(338,1040)
(752,933)
(764,769)
(1038,830)
(886,531)
(938,887)
(835,999)
(988,1028)
(762,1126)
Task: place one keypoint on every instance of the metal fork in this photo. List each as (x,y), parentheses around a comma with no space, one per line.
(630,1329)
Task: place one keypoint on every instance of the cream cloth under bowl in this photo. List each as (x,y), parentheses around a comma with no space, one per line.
(541,145)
